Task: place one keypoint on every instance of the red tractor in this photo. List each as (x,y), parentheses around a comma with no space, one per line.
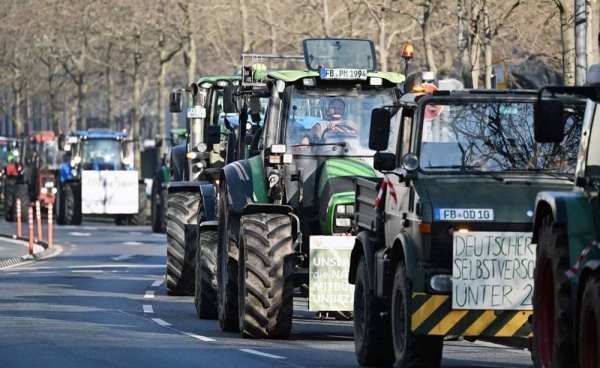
(31,175)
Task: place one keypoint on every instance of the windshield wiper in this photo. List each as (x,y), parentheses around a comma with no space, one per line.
(542,171)
(462,167)
(340,144)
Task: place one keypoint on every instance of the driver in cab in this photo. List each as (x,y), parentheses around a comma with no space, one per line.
(336,123)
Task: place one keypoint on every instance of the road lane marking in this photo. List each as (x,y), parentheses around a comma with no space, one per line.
(149,294)
(161,322)
(250,351)
(157,283)
(75,233)
(90,228)
(122,257)
(132,243)
(87,271)
(201,338)
(148,309)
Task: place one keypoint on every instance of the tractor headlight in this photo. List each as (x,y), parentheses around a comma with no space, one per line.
(49,184)
(202,147)
(74,173)
(343,222)
(345,209)
(44,190)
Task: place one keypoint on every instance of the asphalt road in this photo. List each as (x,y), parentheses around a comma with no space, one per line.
(101,302)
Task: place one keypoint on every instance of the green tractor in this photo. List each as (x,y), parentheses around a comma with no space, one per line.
(566,300)
(160,181)
(193,173)
(293,198)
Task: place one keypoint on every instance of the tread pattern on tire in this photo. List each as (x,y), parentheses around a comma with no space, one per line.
(182,221)
(72,204)
(418,351)
(553,247)
(590,304)
(21,192)
(267,276)
(9,192)
(205,297)
(139,219)
(227,278)
(372,332)
(159,209)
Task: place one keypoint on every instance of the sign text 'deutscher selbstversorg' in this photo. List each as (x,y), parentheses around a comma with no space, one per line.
(492,270)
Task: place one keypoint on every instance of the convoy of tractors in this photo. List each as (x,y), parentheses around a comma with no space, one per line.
(418,212)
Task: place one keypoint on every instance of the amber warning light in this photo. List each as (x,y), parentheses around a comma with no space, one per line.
(408,51)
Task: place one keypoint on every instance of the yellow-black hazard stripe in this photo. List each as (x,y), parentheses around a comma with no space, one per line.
(433,315)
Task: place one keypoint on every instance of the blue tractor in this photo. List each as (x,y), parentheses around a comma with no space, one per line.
(97,177)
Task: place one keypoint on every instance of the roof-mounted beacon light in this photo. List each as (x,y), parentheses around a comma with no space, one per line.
(408,52)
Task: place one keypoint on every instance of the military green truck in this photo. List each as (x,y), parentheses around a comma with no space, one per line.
(160,181)
(194,170)
(444,244)
(293,200)
(566,297)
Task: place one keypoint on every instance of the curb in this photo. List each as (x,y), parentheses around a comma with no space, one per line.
(46,253)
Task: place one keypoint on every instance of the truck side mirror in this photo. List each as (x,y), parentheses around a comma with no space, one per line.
(176,102)
(231,102)
(384,161)
(61,142)
(549,121)
(379,132)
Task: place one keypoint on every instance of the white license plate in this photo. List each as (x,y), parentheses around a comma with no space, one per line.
(343,74)
(470,214)
(196,112)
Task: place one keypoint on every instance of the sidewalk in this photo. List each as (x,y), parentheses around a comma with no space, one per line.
(15,250)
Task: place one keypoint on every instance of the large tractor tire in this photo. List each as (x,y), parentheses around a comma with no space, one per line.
(410,349)
(139,219)
(227,282)
(589,325)
(21,192)
(266,276)
(182,234)
(159,208)
(372,332)
(9,191)
(60,205)
(552,318)
(72,192)
(205,297)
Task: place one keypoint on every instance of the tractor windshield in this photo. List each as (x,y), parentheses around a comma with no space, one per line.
(494,137)
(101,154)
(50,155)
(333,121)
(4,152)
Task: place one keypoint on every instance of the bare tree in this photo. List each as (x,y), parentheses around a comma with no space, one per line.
(565,10)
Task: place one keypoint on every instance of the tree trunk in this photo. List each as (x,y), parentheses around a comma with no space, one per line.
(463,45)
(19,129)
(192,78)
(593,29)
(426,29)
(580,42)
(109,90)
(487,47)
(81,101)
(326,22)
(568,41)
(135,134)
(383,52)
(273,27)
(245,34)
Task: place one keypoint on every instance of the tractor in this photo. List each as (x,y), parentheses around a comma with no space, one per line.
(97,177)
(287,208)
(566,296)
(34,177)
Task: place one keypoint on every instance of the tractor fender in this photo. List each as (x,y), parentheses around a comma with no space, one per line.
(402,249)
(592,265)
(238,178)
(363,246)
(207,193)
(177,163)
(209,225)
(549,203)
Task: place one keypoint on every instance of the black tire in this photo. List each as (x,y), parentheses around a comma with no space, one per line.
(60,205)
(410,350)
(9,192)
(372,332)
(205,297)
(552,308)
(158,209)
(589,324)
(139,219)
(73,204)
(182,233)
(21,192)
(266,276)
(227,282)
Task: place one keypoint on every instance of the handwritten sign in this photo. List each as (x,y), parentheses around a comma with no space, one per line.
(109,192)
(492,270)
(328,274)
